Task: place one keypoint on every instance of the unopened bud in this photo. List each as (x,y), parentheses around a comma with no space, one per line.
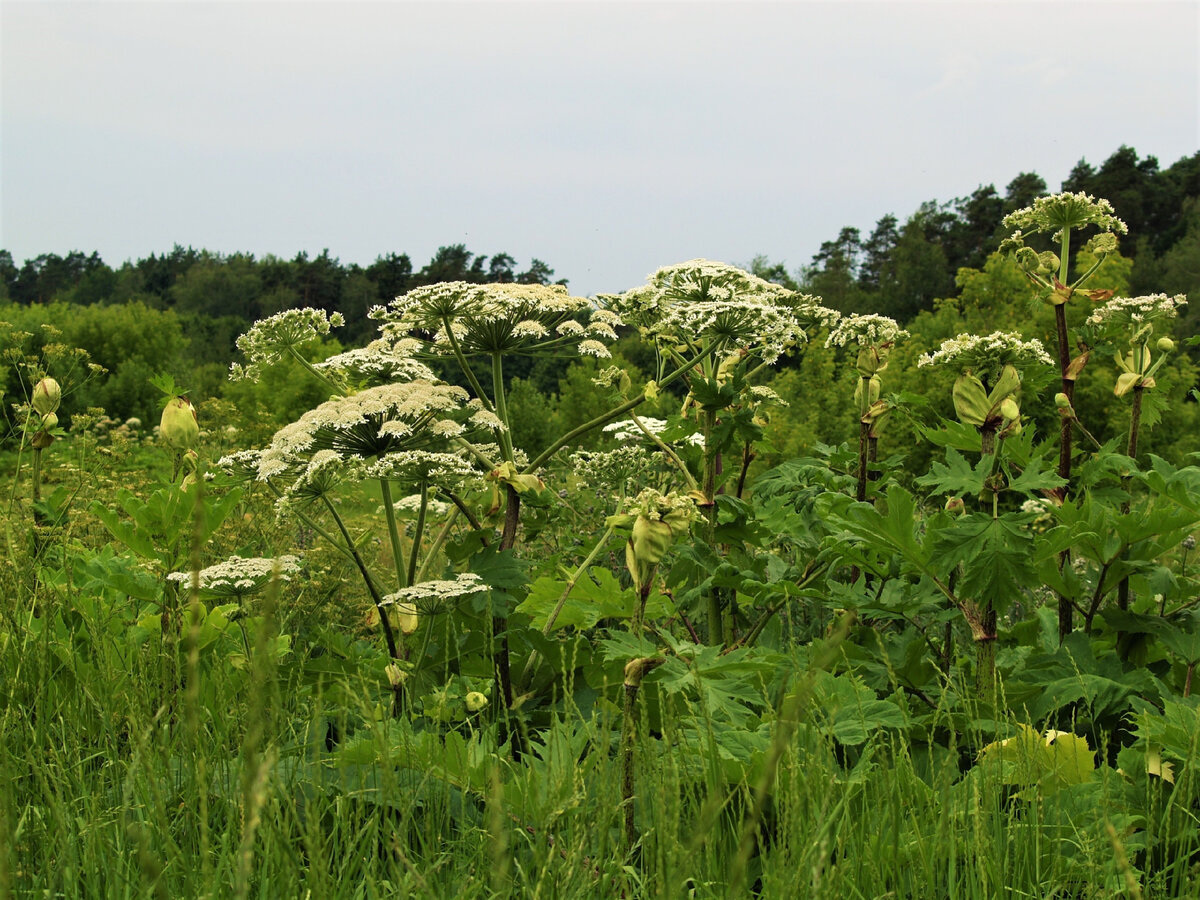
(178,426)
(955,506)
(49,420)
(1062,401)
(1165,344)
(395,675)
(46,396)
(407,617)
(476,701)
(1009,409)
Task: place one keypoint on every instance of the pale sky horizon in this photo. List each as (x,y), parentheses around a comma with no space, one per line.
(607,139)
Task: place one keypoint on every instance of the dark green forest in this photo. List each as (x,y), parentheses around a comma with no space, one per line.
(183,309)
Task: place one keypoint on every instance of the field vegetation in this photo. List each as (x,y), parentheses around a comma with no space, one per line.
(722,586)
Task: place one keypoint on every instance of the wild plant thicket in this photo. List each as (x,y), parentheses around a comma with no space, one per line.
(645,668)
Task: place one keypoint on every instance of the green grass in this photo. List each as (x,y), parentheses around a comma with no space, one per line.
(133,767)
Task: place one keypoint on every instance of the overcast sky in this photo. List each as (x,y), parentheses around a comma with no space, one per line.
(605,138)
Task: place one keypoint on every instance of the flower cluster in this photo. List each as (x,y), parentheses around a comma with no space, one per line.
(865,331)
(269,340)
(770,330)
(380,362)
(988,354)
(238,576)
(448,470)
(497,318)
(370,423)
(701,300)
(628,430)
(412,504)
(1065,210)
(614,469)
(1137,311)
(656,506)
(433,597)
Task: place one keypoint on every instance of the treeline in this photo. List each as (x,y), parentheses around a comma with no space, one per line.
(899,269)
(217,296)
(182,311)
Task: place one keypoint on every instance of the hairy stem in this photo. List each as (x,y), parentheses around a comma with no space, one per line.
(506,446)
(1131,450)
(527,673)
(388,635)
(605,418)
(418,533)
(463,365)
(389,512)
(438,543)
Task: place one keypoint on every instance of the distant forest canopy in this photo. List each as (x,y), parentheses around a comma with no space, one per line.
(898,269)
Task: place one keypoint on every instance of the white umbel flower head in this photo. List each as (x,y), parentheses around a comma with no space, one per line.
(433,597)
(523,319)
(1136,311)
(269,340)
(238,577)
(370,423)
(380,362)
(986,355)
(701,300)
(1065,210)
(865,331)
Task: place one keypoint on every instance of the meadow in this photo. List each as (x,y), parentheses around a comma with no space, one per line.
(771,600)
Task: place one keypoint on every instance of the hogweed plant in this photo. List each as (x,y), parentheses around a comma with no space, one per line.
(1059,216)
(1131,321)
(871,338)
(719,327)
(986,395)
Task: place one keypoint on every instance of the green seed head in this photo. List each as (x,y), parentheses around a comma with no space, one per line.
(46,396)
(179,427)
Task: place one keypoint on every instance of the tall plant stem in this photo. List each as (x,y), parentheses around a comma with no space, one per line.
(864,434)
(1066,611)
(716,628)
(1131,450)
(748,456)
(388,635)
(389,512)
(508,537)
(37,476)
(438,543)
(418,533)
(332,386)
(562,601)
(461,358)
(506,446)
(635,671)
(985,635)
(605,418)
(864,439)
